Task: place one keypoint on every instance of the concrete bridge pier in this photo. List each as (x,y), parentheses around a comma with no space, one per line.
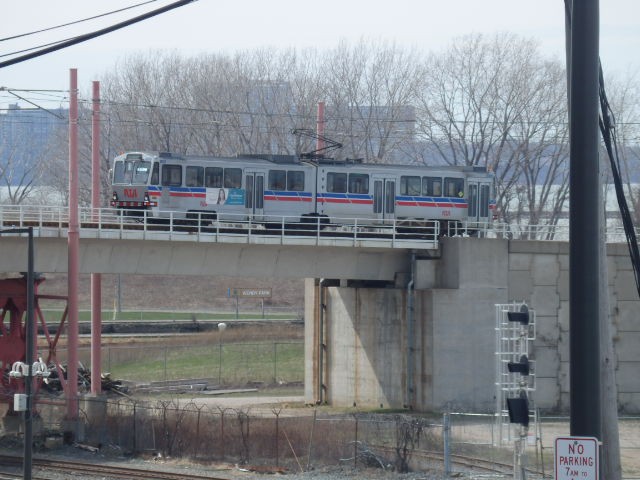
(427,348)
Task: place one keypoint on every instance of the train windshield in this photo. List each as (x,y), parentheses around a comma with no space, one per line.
(131,172)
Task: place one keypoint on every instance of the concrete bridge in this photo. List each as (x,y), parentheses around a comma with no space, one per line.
(114,244)
(394,321)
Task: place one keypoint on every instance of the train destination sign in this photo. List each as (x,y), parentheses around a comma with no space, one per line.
(576,458)
(250,292)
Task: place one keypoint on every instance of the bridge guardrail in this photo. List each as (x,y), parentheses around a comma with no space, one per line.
(393,233)
(52,221)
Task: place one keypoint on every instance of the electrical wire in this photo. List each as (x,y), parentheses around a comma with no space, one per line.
(607,128)
(97,33)
(75,22)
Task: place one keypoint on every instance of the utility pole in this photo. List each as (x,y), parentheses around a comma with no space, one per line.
(584,226)
(73,242)
(96,278)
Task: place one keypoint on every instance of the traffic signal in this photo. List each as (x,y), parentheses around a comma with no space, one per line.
(522,367)
(519,409)
(522,316)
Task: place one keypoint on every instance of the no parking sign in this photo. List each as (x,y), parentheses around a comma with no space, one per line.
(576,458)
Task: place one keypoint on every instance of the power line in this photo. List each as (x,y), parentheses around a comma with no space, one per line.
(89,36)
(74,22)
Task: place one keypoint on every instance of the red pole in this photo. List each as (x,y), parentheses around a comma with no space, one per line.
(96,278)
(320,126)
(73,247)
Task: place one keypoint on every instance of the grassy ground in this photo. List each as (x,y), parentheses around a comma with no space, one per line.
(225,363)
(245,353)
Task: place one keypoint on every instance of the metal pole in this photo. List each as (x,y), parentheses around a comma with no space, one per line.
(30,340)
(275,362)
(584,260)
(73,248)
(320,126)
(446,435)
(96,278)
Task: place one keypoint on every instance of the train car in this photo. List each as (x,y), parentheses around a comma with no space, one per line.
(409,195)
(163,185)
(268,188)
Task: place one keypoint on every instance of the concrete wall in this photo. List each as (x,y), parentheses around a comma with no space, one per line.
(454,358)
(539,275)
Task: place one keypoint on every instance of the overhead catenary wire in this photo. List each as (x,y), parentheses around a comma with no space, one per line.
(48,29)
(89,36)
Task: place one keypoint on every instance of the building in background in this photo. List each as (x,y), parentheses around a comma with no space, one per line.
(25,138)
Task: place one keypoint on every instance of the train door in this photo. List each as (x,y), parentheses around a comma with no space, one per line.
(254,199)
(384,198)
(478,198)
(171,179)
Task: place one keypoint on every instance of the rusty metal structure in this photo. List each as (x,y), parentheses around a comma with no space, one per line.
(13,318)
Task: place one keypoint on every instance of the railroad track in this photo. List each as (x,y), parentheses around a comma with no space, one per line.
(474,464)
(92,470)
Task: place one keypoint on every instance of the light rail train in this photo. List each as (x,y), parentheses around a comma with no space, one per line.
(266,188)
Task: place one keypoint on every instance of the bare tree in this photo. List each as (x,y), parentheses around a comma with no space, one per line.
(20,171)
(369,88)
(495,102)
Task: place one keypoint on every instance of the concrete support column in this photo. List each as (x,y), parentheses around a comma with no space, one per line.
(311,341)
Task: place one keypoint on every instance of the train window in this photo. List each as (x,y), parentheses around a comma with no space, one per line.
(232,178)
(358,183)
(194,177)
(336,182)
(484,200)
(410,186)
(155,174)
(454,187)
(432,186)
(118,172)
(172,175)
(277,180)
(213,177)
(141,172)
(295,181)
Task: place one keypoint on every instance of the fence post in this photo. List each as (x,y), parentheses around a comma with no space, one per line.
(355,446)
(277,414)
(198,432)
(165,363)
(222,431)
(446,437)
(134,429)
(219,364)
(275,362)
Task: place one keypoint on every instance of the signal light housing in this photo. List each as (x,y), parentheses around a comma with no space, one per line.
(519,409)
(521,317)
(522,367)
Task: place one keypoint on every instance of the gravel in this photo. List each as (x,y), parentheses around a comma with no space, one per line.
(11,445)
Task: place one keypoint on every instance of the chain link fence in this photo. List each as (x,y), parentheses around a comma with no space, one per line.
(457,444)
(221,364)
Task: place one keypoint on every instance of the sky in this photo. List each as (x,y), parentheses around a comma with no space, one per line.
(231,25)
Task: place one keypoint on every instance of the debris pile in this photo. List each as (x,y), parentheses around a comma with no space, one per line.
(52,383)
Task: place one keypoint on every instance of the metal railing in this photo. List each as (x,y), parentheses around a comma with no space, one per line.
(109,223)
(52,221)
